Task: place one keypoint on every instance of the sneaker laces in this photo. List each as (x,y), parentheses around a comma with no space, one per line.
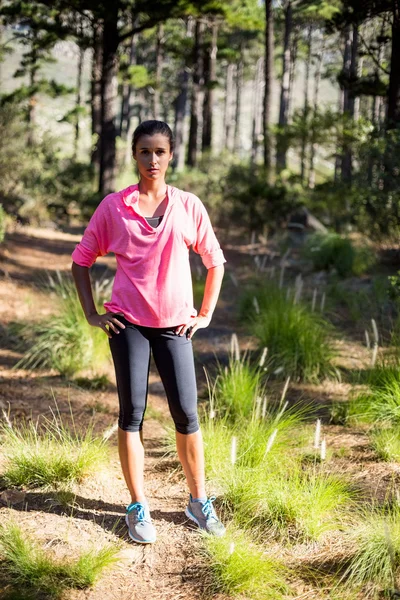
(139,508)
(208,510)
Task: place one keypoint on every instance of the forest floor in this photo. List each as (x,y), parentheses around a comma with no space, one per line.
(172,568)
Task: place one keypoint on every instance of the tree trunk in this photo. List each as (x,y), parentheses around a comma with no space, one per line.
(95,100)
(180,107)
(393,100)
(108,104)
(33,67)
(127,93)
(228,120)
(268,75)
(256,129)
(350,72)
(238,108)
(195,105)
(159,67)
(317,81)
(210,76)
(293,61)
(78,100)
(306,107)
(281,149)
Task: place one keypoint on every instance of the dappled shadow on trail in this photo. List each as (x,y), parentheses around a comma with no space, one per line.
(111,517)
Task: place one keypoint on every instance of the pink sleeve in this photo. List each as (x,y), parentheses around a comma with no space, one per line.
(206,243)
(94,242)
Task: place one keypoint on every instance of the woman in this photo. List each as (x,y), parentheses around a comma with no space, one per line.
(150,227)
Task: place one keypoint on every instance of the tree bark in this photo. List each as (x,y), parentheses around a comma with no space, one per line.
(210,76)
(293,61)
(195,105)
(281,149)
(127,93)
(256,129)
(78,99)
(95,100)
(228,121)
(238,107)
(317,81)
(108,100)
(350,72)
(306,106)
(393,100)
(159,67)
(268,75)
(180,107)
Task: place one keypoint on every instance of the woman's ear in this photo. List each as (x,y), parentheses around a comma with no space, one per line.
(171,157)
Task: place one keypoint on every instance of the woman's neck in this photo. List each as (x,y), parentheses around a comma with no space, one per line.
(153,189)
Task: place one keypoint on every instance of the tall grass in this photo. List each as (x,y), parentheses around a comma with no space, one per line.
(297,339)
(288,503)
(50,456)
(65,341)
(240,568)
(236,388)
(386,443)
(377,551)
(32,569)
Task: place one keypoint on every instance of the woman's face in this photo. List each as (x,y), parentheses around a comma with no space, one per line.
(153,155)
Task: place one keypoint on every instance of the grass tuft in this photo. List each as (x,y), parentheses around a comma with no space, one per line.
(65,341)
(386,443)
(51,457)
(297,338)
(333,251)
(240,568)
(29,567)
(236,388)
(288,503)
(377,557)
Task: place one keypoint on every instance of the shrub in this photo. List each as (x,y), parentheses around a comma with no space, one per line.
(65,342)
(240,568)
(333,251)
(51,457)
(34,570)
(297,338)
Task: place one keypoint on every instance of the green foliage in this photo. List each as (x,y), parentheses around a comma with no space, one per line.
(382,402)
(253,438)
(386,443)
(236,388)
(65,342)
(240,568)
(35,182)
(333,251)
(51,456)
(377,550)
(297,338)
(287,502)
(29,567)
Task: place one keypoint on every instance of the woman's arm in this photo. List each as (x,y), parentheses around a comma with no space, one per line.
(85,293)
(212,288)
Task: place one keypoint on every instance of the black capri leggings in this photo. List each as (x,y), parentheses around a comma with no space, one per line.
(173,356)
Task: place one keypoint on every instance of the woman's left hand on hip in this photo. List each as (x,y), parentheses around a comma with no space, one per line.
(199,322)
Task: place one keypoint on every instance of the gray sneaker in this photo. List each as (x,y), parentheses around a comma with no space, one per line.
(140,527)
(204,515)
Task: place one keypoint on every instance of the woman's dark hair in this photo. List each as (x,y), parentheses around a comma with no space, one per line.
(150,128)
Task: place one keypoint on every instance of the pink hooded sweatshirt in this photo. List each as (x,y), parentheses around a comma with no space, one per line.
(153,284)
